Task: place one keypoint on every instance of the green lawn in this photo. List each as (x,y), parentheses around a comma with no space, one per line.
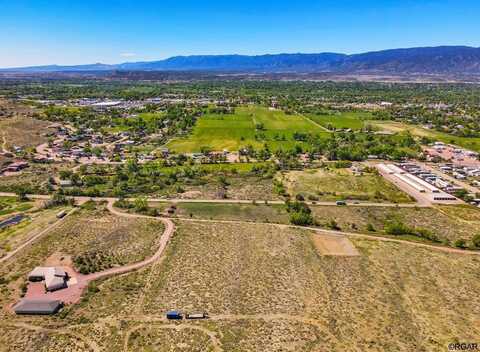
(231,132)
(10,205)
(353,120)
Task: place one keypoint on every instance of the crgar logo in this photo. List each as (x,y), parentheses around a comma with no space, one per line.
(463,346)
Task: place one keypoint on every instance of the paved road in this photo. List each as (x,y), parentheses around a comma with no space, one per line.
(81,199)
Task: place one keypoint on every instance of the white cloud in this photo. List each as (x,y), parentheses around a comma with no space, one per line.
(128,54)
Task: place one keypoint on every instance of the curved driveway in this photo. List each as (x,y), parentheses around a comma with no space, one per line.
(164,239)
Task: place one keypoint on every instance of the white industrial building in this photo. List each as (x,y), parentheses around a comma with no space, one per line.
(417,187)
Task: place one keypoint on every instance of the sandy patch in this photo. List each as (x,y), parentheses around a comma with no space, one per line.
(334,245)
(59,259)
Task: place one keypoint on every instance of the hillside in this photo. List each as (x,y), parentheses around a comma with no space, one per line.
(427,60)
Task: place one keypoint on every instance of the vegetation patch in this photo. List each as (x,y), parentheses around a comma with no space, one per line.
(423,223)
(341,120)
(328,184)
(251,125)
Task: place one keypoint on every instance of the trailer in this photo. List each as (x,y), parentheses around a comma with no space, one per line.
(61,214)
(196,315)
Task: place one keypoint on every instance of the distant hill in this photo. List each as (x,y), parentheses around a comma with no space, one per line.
(446,60)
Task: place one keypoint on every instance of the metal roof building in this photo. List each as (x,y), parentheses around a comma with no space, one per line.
(38,306)
(55,277)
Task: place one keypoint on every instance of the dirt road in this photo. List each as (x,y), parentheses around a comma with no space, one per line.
(36,237)
(73,293)
(164,239)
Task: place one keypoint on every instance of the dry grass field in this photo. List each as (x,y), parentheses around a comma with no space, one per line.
(35,178)
(333,245)
(447,222)
(237,187)
(99,238)
(35,221)
(23,132)
(267,288)
(334,184)
(260,212)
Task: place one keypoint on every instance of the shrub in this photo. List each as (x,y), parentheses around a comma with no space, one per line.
(460,243)
(427,234)
(476,241)
(333,224)
(141,205)
(343,164)
(92,288)
(397,229)
(370,227)
(297,207)
(58,199)
(123,204)
(152,212)
(89,205)
(301,218)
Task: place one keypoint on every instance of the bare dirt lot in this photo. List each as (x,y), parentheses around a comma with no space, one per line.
(333,245)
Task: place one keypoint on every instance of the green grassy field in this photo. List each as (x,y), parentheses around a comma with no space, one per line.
(469,143)
(231,132)
(9,205)
(352,120)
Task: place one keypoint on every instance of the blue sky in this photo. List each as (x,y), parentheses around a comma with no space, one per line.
(41,32)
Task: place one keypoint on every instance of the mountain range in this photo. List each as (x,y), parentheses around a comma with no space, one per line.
(441,60)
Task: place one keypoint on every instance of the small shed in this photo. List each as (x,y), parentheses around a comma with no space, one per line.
(38,306)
